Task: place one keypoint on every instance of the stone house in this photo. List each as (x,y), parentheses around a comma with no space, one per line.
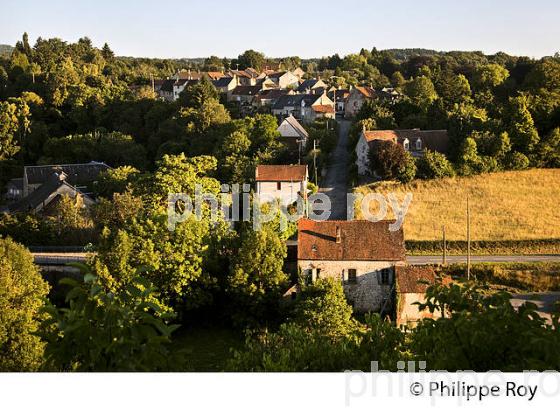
(361,254)
(285,183)
(415,141)
(339,97)
(411,285)
(356,98)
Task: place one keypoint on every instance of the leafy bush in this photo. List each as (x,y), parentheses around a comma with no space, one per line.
(102,331)
(22,293)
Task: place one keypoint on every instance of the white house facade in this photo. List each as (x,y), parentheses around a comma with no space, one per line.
(283,183)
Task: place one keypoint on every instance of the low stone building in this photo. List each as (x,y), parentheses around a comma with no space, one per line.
(361,254)
(411,285)
(285,183)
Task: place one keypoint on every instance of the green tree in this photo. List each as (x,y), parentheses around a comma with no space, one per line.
(256,278)
(115,180)
(421,92)
(22,294)
(101,331)
(489,76)
(549,150)
(322,306)
(476,331)
(251,59)
(521,127)
(388,160)
(469,161)
(433,165)
(195,95)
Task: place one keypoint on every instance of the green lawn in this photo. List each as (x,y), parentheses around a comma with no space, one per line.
(207,348)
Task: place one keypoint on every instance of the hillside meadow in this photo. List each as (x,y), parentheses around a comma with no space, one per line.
(505,206)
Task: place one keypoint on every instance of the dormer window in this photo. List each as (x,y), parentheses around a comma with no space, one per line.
(418,144)
(406,145)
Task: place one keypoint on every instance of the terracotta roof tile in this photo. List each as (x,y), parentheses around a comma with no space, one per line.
(323,108)
(359,240)
(280,172)
(416,279)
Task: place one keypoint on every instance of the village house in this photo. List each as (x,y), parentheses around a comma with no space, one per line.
(415,141)
(356,98)
(41,185)
(267,98)
(286,105)
(225,84)
(284,79)
(361,254)
(312,86)
(315,106)
(359,95)
(299,73)
(244,77)
(292,133)
(339,97)
(285,183)
(244,94)
(411,285)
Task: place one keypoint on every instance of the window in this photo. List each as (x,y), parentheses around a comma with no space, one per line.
(279,186)
(317,273)
(406,145)
(352,276)
(308,276)
(385,276)
(418,144)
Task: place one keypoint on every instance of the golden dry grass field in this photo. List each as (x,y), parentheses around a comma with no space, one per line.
(511,205)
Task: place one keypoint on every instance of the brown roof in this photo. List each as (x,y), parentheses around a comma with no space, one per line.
(434,140)
(416,279)
(323,108)
(368,92)
(281,172)
(246,90)
(215,75)
(359,240)
(384,135)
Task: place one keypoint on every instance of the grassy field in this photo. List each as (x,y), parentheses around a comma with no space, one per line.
(207,349)
(513,205)
(513,277)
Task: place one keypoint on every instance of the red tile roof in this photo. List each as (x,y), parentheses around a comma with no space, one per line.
(368,92)
(360,240)
(416,279)
(323,108)
(281,172)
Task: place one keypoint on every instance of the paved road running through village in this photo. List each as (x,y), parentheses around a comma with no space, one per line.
(335,183)
(454,259)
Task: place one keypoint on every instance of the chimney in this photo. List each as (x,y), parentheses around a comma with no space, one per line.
(338,238)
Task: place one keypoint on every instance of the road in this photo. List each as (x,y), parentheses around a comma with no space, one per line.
(436,259)
(335,184)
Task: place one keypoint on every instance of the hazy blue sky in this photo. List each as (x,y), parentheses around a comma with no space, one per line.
(279,28)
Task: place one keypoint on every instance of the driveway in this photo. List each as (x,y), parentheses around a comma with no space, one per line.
(335,184)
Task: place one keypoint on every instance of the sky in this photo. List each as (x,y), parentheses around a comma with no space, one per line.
(307,28)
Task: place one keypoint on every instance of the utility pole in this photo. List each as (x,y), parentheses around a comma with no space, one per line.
(314,160)
(468,240)
(444,247)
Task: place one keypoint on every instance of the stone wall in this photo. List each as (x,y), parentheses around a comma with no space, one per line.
(368,294)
